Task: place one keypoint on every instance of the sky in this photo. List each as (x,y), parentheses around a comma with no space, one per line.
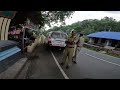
(83,15)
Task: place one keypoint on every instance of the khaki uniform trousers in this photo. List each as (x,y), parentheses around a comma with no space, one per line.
(77,51)
(74,50)
(68,55)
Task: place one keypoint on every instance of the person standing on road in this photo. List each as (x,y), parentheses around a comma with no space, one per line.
(78,47)
(70,43)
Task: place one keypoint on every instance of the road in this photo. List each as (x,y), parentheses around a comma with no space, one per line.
(90,65)
(40,65)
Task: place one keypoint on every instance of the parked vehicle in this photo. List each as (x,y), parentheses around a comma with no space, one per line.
(56,39)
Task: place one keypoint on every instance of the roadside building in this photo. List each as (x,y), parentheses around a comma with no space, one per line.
(5,19)
(111,39)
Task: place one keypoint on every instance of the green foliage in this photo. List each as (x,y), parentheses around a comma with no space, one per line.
(41,17)
(91,26)
(86,39)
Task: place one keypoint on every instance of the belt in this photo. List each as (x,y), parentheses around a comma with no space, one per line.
(70,47)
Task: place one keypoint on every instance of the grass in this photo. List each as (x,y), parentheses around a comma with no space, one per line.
(118,56)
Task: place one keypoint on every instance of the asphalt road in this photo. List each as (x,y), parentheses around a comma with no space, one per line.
(90,65)
(40,65)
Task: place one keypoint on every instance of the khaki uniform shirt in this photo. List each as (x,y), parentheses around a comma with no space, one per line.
(81,41)
(72,41)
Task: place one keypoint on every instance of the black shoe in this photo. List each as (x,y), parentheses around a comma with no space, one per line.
(67,67)
(62,64)
(74,62)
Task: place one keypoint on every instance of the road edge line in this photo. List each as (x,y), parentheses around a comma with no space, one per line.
(63,73)
(102,59)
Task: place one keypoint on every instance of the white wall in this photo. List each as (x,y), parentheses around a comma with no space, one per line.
(91,40)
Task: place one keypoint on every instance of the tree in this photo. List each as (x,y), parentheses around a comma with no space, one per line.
(92,25)
(41,17)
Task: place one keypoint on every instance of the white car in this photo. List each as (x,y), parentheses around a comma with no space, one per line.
(56,39)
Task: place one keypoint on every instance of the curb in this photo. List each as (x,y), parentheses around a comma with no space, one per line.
(21,69)
(13,71)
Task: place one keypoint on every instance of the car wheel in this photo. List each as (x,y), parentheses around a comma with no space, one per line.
(47,46)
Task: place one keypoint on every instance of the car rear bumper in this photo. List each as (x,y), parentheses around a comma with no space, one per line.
(57,45)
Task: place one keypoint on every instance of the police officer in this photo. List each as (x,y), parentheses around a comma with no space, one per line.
(70,43)
(72,31)
(78,47)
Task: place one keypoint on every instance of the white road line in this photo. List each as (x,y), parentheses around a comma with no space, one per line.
(63,73)
(102,59)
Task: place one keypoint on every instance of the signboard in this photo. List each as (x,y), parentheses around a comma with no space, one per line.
(8,14)
(15,32)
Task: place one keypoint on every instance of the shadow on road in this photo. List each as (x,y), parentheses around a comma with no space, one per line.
(88,78)
(41,65)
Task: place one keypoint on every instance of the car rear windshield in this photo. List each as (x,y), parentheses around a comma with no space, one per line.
(64,36)
(58,35)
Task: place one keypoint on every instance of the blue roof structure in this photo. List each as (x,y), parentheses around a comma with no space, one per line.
(107,35)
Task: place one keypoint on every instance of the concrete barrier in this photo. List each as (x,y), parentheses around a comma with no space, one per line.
(14,70)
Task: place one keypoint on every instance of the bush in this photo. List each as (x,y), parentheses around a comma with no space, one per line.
(109,52)
(86,39)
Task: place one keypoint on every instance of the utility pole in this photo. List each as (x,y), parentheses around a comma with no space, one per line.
(23,29)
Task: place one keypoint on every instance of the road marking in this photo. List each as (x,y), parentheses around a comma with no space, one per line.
(102,59)
(102,53)
(63,73)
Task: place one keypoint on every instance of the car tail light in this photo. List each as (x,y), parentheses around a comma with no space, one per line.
(49,41)
(49,38)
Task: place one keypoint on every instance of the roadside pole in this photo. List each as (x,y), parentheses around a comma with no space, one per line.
(23,39)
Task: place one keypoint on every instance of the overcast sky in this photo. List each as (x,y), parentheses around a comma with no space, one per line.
(82,15)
